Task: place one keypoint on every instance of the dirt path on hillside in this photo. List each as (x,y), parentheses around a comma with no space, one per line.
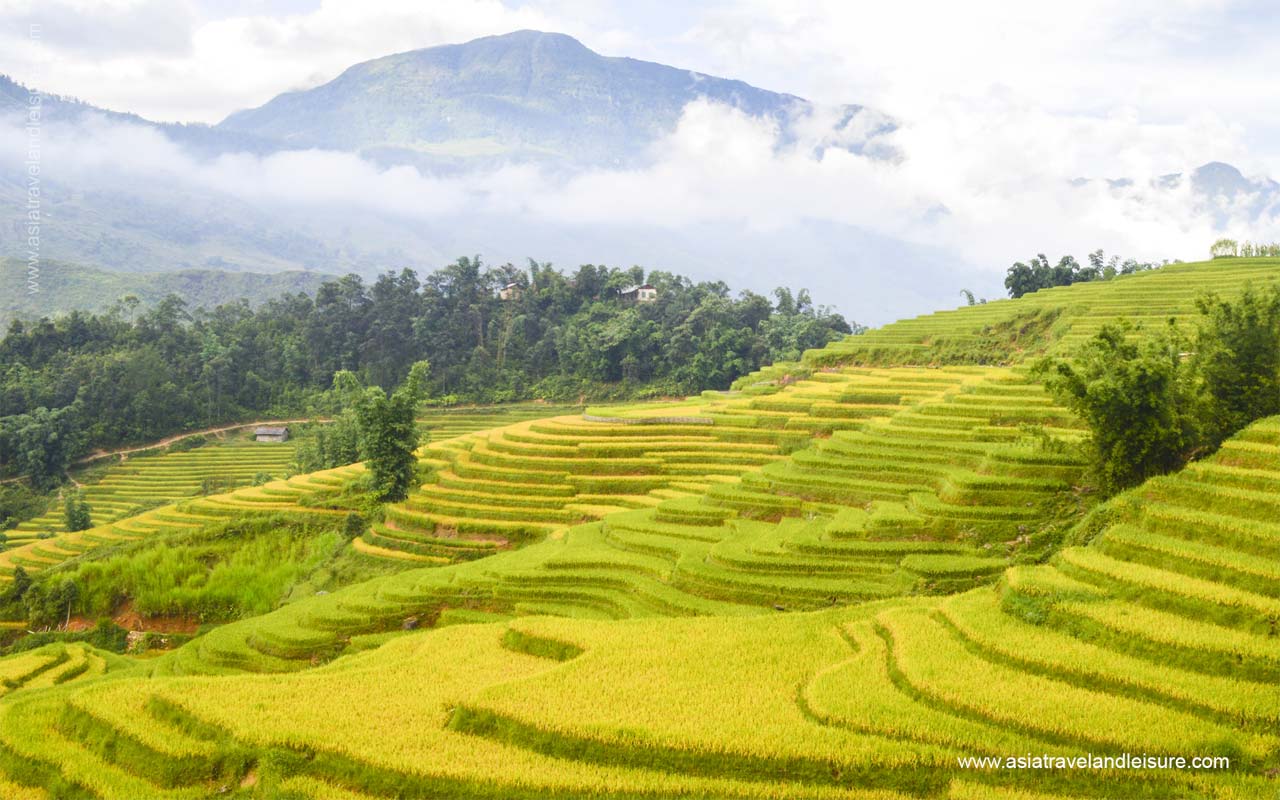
(98,455)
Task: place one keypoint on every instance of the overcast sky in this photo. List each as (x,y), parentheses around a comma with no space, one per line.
(1159,62)
(1001,103)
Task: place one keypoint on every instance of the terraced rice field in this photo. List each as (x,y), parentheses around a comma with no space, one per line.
(831,587)
(279,496)
(943,451)
(1147,640)
(446,423)
(54,665)
(145,481)
(1051,320)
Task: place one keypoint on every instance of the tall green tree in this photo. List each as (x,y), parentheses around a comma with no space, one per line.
(41,444)
(18,503)
(1237,355)
(388,433)
(19,585)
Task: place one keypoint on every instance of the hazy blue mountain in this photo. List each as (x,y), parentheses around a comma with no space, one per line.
(64,286)
(522,96)
(197,138)
(139,222)
(1217,179)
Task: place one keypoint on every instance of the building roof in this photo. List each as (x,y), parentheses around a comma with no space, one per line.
(270,430)
(631,289)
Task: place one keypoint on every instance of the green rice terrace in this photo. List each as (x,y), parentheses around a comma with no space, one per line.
(142,480)
(1050,320)
(836,581)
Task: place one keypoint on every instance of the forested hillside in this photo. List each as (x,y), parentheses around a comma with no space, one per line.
(84,381)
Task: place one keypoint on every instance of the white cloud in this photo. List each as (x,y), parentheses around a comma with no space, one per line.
(233,62)
(82,30)
(1003,179)
(1000,105)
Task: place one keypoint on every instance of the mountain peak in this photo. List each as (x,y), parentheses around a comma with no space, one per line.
(527,95)
(522,43)
(530,38)
(1218,179)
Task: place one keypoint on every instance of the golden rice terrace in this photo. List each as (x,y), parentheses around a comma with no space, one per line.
(838,582)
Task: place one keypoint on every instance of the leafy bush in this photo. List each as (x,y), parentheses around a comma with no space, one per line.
(187,443)
(213,484)
(215,574)
(354,526)
(106,635)
(1152,404)
(76,512)
(1238,358)
(1138,401)
(18,504)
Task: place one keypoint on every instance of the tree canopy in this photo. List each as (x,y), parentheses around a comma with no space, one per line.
(123,376)
(1152,402)
(387,434)
(1037,273)
(1136,399)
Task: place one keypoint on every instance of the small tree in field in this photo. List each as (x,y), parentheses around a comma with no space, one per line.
(388,433)
(354,526)
(76,512)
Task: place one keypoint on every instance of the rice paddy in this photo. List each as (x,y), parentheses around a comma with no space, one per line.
(836,586)
(146,480)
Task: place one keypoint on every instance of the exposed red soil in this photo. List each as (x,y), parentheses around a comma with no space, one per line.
(129,619)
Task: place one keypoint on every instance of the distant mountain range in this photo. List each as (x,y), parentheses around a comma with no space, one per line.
(525,98)
(63,287)
(163,197)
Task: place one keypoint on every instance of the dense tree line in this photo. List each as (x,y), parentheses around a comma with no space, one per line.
(1037,273)
(1154,402)
(99,380)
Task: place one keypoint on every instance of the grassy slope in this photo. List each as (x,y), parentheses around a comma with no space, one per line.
(1155,634)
